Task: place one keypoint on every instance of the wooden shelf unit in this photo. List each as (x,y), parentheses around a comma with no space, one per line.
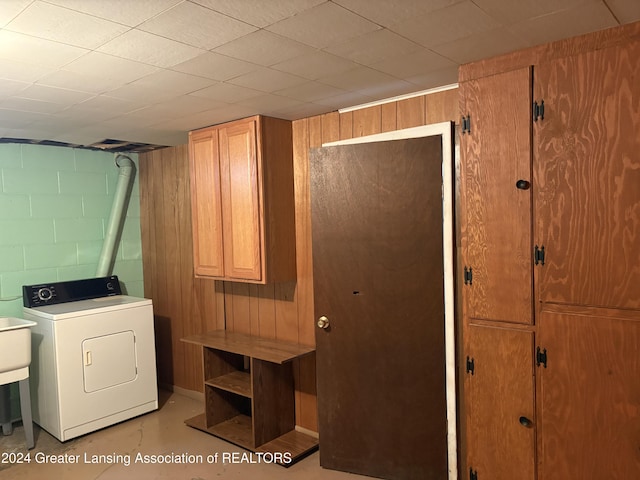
(252,407)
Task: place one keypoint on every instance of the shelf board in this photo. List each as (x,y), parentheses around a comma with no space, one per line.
(238,431)
(234,382)
(275,351)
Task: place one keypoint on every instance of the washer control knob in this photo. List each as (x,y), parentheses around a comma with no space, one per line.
(45,294)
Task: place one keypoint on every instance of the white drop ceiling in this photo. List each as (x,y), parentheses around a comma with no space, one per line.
(80,71)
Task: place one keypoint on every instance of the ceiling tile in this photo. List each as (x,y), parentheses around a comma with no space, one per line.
(62,96)
(151,49)
(110,105)
(11,87)
(140,93)
(366,81)
(438,78)
(226,92)
(415,63)
(20,119)
(175,83)
(385,12)
(268,103)
(374,47)
(324,25)
(264,48)
(11,9)
(195,25)
(310,91)
(315,65)
(215,66)
(567,23)
(126,12)
(109,66)
(36,51)
(22,72)
(62,25)
(267,80)
(178,107)
(80,82)
(625,11)
(481,45)
(512,12)
(446,25)
(302,110)
(259,12)
(28,105)
(349,99)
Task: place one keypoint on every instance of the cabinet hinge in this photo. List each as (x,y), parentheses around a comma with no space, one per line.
(538,110)
(541,357)
(466,124)
(471,365)
(538,255)
(468,276)
(473,474)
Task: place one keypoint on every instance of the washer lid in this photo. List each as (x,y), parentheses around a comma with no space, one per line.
(87,307)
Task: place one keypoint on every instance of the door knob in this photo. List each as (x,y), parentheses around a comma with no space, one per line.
(323,322)
(525,422)
(522,185)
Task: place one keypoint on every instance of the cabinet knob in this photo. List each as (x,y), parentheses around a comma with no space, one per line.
(525,422)
(522,185)
(323,322)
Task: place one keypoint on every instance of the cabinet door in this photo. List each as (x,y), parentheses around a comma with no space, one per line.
(587,178)
(241,190)
(499,401)
(496,153)
(589,394)
(206,203)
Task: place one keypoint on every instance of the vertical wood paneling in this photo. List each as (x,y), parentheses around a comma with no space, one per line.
(281,310)
(410,112)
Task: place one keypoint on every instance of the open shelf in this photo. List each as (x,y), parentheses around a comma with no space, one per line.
(254,408)
(235,382)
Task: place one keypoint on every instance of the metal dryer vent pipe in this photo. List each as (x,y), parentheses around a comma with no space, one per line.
(118,210)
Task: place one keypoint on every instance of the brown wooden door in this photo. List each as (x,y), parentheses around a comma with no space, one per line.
(589,394)
(378,278)
(496,153)
(588,178)
(206,205)
(241,199)
(499,403)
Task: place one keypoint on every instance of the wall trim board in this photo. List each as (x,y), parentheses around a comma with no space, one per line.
(446,130)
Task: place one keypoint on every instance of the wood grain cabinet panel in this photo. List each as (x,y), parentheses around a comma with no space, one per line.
(243,201)
(496,155)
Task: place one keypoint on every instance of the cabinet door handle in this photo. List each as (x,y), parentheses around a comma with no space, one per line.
(523,185)
(525,422)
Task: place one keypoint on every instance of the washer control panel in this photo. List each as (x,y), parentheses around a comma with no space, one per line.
(71,291)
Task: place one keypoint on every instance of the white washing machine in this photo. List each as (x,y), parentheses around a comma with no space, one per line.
(93,355)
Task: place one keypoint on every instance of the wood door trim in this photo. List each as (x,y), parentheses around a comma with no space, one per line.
(446,130)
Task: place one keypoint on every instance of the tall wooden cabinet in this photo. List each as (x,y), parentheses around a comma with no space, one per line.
(551,260)
(242,200)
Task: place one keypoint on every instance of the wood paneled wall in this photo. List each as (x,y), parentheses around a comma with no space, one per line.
(184,305)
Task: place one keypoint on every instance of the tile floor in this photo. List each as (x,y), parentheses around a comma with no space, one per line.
(158,433)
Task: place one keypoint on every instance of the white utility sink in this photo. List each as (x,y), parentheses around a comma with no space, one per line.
(15,346)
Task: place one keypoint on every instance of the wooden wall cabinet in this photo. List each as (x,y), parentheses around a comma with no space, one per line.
(242,201)
(251,405)
(550,213)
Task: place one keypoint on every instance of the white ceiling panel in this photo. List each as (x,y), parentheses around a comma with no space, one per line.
(324,25)
(197,26)
(374,47)
(126,12)
(215,66)
(60,24)
(85,70)
(264,48)
(36,51)
(150,49)
(259,12)
(574,21)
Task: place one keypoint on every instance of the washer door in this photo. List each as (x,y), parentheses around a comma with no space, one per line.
(109,360)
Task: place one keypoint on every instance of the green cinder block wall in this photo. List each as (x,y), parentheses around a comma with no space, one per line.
(54,210)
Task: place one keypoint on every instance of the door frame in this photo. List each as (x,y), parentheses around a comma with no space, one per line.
(446,131)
